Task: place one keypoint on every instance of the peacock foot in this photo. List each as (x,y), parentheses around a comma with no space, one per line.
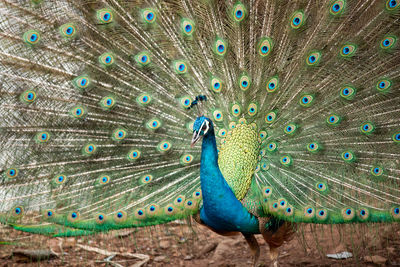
(274,254)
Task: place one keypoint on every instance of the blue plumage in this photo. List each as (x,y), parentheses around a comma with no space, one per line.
(221,209)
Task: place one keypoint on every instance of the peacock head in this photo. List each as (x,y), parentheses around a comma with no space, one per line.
(201,127)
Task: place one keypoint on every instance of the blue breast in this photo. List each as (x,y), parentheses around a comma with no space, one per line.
(221,210)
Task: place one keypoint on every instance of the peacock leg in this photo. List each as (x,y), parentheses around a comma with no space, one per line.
(254,247)
(273,255)
(275,236)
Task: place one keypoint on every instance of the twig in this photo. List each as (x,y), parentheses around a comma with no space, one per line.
(144,258)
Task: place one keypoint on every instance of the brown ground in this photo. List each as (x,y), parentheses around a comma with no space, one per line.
(177,245)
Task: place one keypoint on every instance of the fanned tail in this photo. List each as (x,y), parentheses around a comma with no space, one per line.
(96,126)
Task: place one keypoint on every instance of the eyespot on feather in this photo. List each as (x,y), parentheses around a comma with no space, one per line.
(309,212)
(147,178)
(144,99)
(252,109)
(31,37)
(73,216)
(367,128)
(313,147)
(105,16)
(313,58)
(68,30)
(42,137)
(187,27)
(218,116)
(348,214)
(103,179)
(239,12)
(17,211)
(265,46)
(60,179)
(236,110)
(348,92)
(143,58)
(333,120)
(89,149)
(82,82)
(297,19)
(197,194)
(100,218)
(383,85)
(134,154)
(348,50)
(120,216)
(322,215)
(216,84)
(107,59)
(272,146)
(153,209)
(363,214)
(140,213)
(244,82)
(348,156)
(290,129)
(286,160)
(272,84)
(148,15)
(107,102)
(306,100)
(153,124)
(270,117)
(169,210)
(377,171)
(118,134)
(78,112)
(186,159)
(29,96)
(337,7)
(180,67)
(185,101)
(220,47)
(392,5)
(388,42)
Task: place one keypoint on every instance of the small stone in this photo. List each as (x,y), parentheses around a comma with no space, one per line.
(376,259)
(69,242)
(164,244)
(159,258)
(391,250)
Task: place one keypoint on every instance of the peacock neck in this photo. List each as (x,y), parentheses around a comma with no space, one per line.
(211,178)
(209,152)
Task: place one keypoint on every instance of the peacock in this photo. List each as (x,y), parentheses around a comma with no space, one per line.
(250,116)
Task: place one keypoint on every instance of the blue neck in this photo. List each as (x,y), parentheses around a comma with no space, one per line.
(211,178)
(209,152)
(221,209)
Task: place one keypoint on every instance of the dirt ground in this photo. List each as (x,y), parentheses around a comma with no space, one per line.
(179,244)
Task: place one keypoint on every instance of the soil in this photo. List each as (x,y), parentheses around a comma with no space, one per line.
(182,244)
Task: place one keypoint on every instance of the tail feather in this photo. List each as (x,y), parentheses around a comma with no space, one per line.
(96,125)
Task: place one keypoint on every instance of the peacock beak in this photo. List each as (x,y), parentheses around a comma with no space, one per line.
(195,138)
